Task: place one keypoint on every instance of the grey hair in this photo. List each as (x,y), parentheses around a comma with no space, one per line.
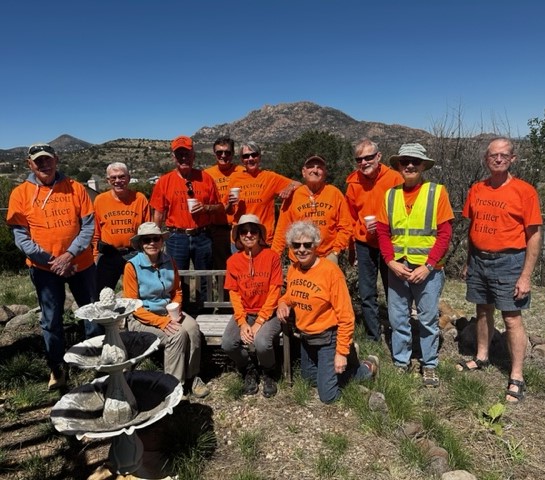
(252,146)
(117,166)
(304,228)
(501,139)
(364,142)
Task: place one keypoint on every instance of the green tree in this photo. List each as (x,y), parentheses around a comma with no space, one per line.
(536,150)
(336,151)
(11,257)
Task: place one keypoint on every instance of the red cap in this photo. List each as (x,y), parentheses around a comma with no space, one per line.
(181,142)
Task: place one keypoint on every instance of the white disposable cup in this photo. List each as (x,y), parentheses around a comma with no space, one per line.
(191,202)
(368,220)
(173,310)
(235,191)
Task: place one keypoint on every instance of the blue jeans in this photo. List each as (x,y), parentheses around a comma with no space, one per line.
(318,367)
(370,262)
(50,289)
(198,248)
(401,295)
(232,344)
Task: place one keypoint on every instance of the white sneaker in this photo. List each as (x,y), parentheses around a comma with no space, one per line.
(199,388)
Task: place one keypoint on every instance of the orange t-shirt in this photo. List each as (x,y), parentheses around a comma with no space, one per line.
(321,300)
(252,280)
(257,194)
(366,197)
(116,220)
(52,216)
(327,209)
(222,181)
(499,216)
(170,197)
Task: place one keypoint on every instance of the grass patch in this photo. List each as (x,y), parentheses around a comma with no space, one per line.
(329,466)
(234,387)
(29,395)
(413,454)
(301,389)
(17,289)
(336,443)
(249,444)
(534,378)
(35,468)
(247,474)
(466,392)
(400,393)
(21,369)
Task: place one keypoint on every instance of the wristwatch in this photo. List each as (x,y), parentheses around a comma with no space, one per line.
(429,267)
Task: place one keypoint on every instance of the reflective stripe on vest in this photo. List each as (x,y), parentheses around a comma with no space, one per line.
(413,235)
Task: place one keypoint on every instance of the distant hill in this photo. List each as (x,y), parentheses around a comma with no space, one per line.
(287,121)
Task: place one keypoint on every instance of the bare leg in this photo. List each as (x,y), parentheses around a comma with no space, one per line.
(485,331)
(516,341)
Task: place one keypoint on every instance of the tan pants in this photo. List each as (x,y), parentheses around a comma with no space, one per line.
(182,351)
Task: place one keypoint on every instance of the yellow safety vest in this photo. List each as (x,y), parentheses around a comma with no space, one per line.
(413,235)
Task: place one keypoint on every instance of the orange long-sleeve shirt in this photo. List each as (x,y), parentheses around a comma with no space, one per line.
(222,184)
(327,209)
(321,300)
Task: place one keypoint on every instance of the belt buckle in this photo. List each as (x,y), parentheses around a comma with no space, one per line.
(191,231)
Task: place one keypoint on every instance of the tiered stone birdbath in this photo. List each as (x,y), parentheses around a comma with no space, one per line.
(119,403)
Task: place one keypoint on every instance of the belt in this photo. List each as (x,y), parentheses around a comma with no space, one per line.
(107,249)
(188,231)
(494,255)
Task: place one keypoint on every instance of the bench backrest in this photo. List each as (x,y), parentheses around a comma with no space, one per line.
(215,296)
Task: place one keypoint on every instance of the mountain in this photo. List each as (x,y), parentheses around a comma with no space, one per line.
(287,121)
(63,143)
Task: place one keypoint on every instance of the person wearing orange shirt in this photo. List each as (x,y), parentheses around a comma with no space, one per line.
(52,220)
(504,245)
(118,213)
(254,279)
(258,189)
(152,276)
(171,198)
(316,291)
(220,229)
(414,228)
(365,191)
(324,204)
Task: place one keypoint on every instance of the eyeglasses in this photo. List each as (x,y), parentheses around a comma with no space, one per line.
(41,148)
(246,156)
(501,156)
(297,245)
(247,230)
(367,158)
(113,178)
(156,239)
(405,162)
(189,186)
(221,153)
(182,155)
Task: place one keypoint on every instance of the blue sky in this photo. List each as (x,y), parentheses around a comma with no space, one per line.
(106,69)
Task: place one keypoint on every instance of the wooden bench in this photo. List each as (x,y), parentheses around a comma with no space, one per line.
(212,325)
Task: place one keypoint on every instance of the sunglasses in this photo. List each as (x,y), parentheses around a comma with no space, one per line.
(221,153)
(155,239)
(247,230)
(182,155)
(297,245)
(366,158)
(246,156)
(41,148)
(190,191)
(405,162)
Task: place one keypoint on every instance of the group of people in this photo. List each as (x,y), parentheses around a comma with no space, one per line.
(390,220)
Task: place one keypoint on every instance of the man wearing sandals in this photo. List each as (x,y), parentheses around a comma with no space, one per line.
(504,244)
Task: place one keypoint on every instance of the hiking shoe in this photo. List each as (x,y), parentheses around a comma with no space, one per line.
(372,362)
(269,386)
(250,383)
(430,378)
(57,380)
(402,369)
(199,388)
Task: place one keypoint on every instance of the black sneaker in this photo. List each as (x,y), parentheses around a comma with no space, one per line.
(269,386)
(250,383)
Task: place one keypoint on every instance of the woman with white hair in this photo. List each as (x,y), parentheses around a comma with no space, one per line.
(317,292)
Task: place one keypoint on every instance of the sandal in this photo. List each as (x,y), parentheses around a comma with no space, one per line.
(462,365)
(518,394)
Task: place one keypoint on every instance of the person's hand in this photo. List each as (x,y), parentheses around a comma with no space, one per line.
(288,191)
(233,199)
(400,269)
(419,274)
(246,334)
(172,327)
(522,288)
(61,265)
(197,208)
(282,312)
(255,328)
(340,363)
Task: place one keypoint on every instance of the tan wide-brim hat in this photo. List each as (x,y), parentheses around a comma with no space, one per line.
(413,150)
(147,228)
(249,218)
